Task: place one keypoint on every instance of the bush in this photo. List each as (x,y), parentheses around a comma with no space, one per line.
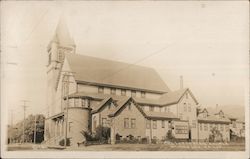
(117,137)
(102,134)
(170,136)
(61,142)
(215,136)
(144,140)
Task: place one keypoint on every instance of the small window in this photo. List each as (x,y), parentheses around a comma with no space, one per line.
(123,92)
(200,126)
(100,89)
(76,102)
(133,93)
(129,106)
(104,121)
(205,127)
(151,108)
(163,124)
(185,107)
(83,102)
(210,126)
(113,91)
(132,123)
(109,106)
(70,126)
(126,123)
(154,124)
(186,95)
(143,94)
(148,124)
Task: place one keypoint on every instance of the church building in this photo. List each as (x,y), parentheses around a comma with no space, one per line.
(87,92)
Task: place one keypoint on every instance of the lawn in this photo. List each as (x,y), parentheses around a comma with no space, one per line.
(162,147)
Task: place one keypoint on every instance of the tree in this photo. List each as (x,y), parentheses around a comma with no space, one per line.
(215,135)
(16,132)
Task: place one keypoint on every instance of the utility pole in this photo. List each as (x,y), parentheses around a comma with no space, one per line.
(24,111)
(11,122)
(35,131)
(65,80)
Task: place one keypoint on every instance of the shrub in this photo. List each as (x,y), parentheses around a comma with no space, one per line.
(215,136)
(170,136)
(144,140)
(61,142)
(102,133)
(117,137)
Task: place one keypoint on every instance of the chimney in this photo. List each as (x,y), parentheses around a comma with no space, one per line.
(181,82)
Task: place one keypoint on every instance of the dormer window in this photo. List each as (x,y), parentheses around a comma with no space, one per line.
(100,89)
(133,93)
(123,92)
(113,91)
(143,94)
(151,108)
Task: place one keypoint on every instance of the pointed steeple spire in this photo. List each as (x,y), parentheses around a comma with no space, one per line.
(62,35)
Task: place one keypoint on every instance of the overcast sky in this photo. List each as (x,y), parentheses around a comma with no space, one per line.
(206,42)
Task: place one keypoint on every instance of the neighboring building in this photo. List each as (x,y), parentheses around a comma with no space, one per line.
(237,127)
(131,99)
(207,122)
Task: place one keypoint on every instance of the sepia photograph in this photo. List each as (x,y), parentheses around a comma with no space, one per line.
(124,79)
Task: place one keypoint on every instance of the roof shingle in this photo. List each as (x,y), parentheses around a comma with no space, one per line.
(112,73)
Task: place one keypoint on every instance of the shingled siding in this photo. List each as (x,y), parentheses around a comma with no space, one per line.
(132,113)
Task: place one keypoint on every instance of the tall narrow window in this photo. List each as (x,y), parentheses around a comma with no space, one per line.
(70,126)
(163,124)
(200,126)
(185,107)
(151,108)
(129,106)
(132,123)
(104,121)
(126,123)
(133,93)
(100,89)
(154,124)
(113,90)
(148,125)
(123,92)
(186,95)
(143,94)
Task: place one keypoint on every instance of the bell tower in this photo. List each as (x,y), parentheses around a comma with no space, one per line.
(60,44)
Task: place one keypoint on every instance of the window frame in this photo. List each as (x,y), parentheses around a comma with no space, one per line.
(143,94)
(133,93)
(154,124)
(123,92)
(101,89)
(133,123)
(113,91)
(126,123)
(162,123)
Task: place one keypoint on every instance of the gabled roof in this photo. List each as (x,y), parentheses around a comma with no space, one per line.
(213,119)
(97,71)
(100,105)
(120,104)
(146,114)
(166,99)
